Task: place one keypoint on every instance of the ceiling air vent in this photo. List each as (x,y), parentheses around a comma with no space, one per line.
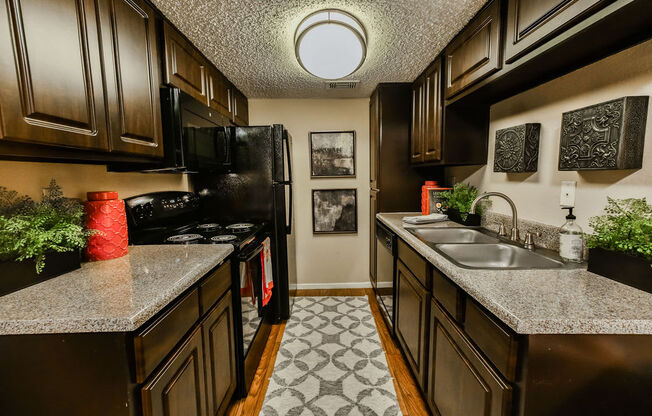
(341,85)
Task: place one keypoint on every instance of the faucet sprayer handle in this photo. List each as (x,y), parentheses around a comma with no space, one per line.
(529,240)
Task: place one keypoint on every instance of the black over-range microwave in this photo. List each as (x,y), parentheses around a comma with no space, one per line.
(196,138)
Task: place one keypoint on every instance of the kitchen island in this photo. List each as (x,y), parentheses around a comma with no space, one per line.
(557,341)
(129,336)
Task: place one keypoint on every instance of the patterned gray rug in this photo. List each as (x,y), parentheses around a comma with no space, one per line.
(331,362)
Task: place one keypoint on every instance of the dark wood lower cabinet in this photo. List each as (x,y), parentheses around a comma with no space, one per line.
(461,382)
(219,350)
(178,388)
(412,320)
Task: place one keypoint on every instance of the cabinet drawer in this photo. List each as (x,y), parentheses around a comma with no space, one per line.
(154,342)
(417,265)
(498,343)
(445,292)
(214,286)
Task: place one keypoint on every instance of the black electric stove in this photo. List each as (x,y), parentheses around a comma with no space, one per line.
(175,218)
(170,218)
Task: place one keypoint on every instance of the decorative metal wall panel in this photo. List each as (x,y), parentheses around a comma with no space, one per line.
(609,135)
(517,148)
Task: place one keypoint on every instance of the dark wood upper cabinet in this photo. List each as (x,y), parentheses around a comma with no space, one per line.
(178,388)
(432,99)
(133,76)
(460,381)
(185,67)
(532,22)
(219,92)
(219,347)
(412,320)
(426,135)
(475,52)
(51,86)
(240,108)
(416,127)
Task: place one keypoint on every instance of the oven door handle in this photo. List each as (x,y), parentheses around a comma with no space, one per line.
(248,255)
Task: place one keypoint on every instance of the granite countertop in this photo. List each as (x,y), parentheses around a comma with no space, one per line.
(566,301)
(110,296)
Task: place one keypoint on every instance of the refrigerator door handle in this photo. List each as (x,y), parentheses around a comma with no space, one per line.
(288,226)
(286,139)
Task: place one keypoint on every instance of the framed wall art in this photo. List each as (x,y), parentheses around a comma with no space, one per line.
(334,211)
(332,154)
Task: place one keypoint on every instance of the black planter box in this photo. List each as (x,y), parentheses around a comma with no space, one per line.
(624,268)
(471,219)
(19,275)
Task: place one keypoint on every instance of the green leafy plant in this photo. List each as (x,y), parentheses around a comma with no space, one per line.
(461,198)
(29,229)
(626,227)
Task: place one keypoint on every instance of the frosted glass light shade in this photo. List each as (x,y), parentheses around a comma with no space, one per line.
(330,44)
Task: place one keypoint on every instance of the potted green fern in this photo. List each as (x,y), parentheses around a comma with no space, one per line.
(39,240)
(620,247)
(458,204)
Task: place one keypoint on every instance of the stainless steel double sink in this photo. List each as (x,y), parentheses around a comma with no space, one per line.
(477,248)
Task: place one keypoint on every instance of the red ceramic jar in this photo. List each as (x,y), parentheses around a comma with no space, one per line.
(430,199)
(106,213)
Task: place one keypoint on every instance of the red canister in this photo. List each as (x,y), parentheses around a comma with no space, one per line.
(106,213)
(430,197)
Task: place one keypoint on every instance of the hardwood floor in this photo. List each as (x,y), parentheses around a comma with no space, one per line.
(409,397)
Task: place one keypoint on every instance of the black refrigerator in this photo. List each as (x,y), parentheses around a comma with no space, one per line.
(257,188)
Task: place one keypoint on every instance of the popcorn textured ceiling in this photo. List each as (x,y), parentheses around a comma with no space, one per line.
(252,41)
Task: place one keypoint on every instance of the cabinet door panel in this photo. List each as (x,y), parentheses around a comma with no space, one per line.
(219,92)
(178,388)
(460,381)
(432,113)
(374,139)
(131,60)
(411,320)
(240,108)
(416,130)
(475,52)
(532,22)
(373,208)
(220,356)
(184,66)
(51,89)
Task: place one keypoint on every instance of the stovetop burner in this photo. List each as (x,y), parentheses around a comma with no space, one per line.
(184,238)
(240,227)
(209,227)
(224,238)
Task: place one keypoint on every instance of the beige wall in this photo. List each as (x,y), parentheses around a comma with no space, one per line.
(537,195)
(76,179)
(323,260)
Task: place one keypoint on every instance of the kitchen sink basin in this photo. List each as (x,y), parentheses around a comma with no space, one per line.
(452,235)
(496,256)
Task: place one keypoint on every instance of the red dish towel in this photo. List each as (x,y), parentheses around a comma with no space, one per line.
(266,266)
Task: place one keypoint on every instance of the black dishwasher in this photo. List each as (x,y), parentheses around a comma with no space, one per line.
(385,271)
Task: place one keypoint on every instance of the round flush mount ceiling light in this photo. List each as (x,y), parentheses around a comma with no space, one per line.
(330,44)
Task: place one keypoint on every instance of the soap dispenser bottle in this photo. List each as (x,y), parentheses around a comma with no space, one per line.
(571,239)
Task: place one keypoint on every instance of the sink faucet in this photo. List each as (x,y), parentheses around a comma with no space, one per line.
(514,234)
